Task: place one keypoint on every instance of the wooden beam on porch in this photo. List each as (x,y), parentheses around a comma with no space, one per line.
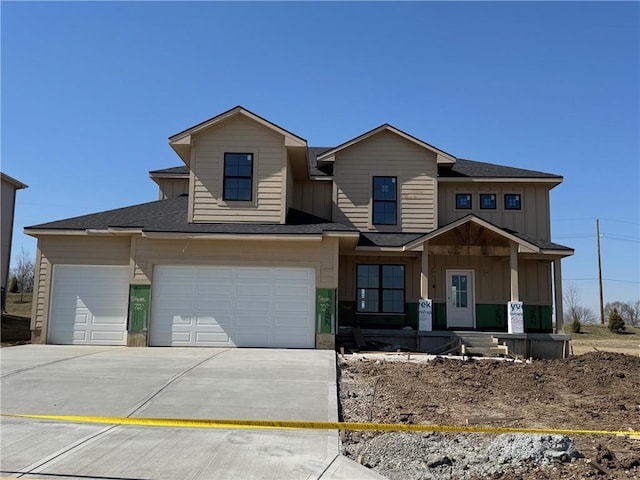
(424,272)
(515,291)
(469,250)
(557,284)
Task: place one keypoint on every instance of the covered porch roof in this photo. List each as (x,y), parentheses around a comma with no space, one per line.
(470,232)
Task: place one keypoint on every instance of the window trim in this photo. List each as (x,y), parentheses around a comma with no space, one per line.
(374,201)
(495,201)
(381,289)
(225,177)
(470,195)
(519,207)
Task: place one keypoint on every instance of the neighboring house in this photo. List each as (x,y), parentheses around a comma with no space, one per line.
(259,240)
(8,188)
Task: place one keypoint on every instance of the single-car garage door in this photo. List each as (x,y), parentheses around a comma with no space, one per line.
(89,305)
(233,306)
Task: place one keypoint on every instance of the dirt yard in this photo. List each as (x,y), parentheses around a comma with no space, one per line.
(599,391)
(16,322)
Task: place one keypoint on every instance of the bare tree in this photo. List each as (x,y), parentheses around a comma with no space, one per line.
(24,272)
(574,309)
(629,311)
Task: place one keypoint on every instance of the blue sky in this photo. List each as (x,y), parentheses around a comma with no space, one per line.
(91,91)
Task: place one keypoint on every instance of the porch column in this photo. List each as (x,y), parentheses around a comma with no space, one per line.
(515,311)
(424,272)
(515,292)
(557,284)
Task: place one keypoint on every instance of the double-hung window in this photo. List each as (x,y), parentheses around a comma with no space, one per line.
(238,177)
(380,288)
(385,201)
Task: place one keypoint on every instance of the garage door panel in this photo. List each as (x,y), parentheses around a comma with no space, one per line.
(89,305)
(211,337)
(241,306)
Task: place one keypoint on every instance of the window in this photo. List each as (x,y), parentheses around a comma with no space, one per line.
(238,176)
(380,288)
(463,201)
(512,201)
(487,201)
(384,201)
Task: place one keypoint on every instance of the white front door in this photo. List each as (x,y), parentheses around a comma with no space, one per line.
(460,299)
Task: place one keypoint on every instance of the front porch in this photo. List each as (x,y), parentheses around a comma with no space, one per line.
(420,291)
(454,342)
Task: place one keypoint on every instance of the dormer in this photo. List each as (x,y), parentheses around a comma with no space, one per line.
(241,168)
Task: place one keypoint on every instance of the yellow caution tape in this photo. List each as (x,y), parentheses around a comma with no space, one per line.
(294,424)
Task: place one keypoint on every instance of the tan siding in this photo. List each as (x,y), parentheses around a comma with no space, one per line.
(493,280)
(386,154)
(239,134)
(532,220)
(321,255)
(289,184)
(313,197)
(71,250)
(172,187)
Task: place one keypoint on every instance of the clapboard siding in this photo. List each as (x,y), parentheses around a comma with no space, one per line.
(386,154)
(321,255)
(239,135)
(533,219)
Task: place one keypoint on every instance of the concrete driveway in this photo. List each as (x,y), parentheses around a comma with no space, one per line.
(169,383)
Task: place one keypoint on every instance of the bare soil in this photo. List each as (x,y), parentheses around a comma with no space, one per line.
(595,391)
(15,330)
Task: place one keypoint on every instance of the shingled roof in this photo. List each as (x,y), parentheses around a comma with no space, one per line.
(170,216)
(461,169)
(473,169)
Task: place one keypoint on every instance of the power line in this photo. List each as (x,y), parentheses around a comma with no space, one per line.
(591,279)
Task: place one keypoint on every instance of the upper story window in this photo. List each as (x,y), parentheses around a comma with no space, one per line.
(463,201)
(487,201)
(380,288)
(238,176)
(384,201)
(512,201)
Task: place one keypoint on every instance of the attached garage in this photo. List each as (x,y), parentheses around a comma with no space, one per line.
(233,306)
(89,305)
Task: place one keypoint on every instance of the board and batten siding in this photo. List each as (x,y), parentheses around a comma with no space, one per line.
(70,250)
(239,134)
(313,197)
(533,219)
(172,187)
(493,278)
(321,255)
(386,154)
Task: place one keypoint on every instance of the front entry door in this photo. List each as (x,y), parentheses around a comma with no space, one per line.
(460,299)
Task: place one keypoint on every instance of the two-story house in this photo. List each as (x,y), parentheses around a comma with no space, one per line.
(259,240)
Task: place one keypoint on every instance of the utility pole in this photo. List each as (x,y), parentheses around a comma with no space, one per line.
(600,272)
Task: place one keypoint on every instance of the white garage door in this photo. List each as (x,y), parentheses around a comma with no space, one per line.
(89,305)
(233,306)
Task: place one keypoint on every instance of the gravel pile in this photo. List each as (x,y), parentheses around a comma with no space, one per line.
(426,456)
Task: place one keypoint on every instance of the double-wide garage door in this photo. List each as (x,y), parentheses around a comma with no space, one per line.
(233,306)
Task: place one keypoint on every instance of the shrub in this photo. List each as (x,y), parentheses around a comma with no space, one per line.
(616,323)
(575,326)
(13,285)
